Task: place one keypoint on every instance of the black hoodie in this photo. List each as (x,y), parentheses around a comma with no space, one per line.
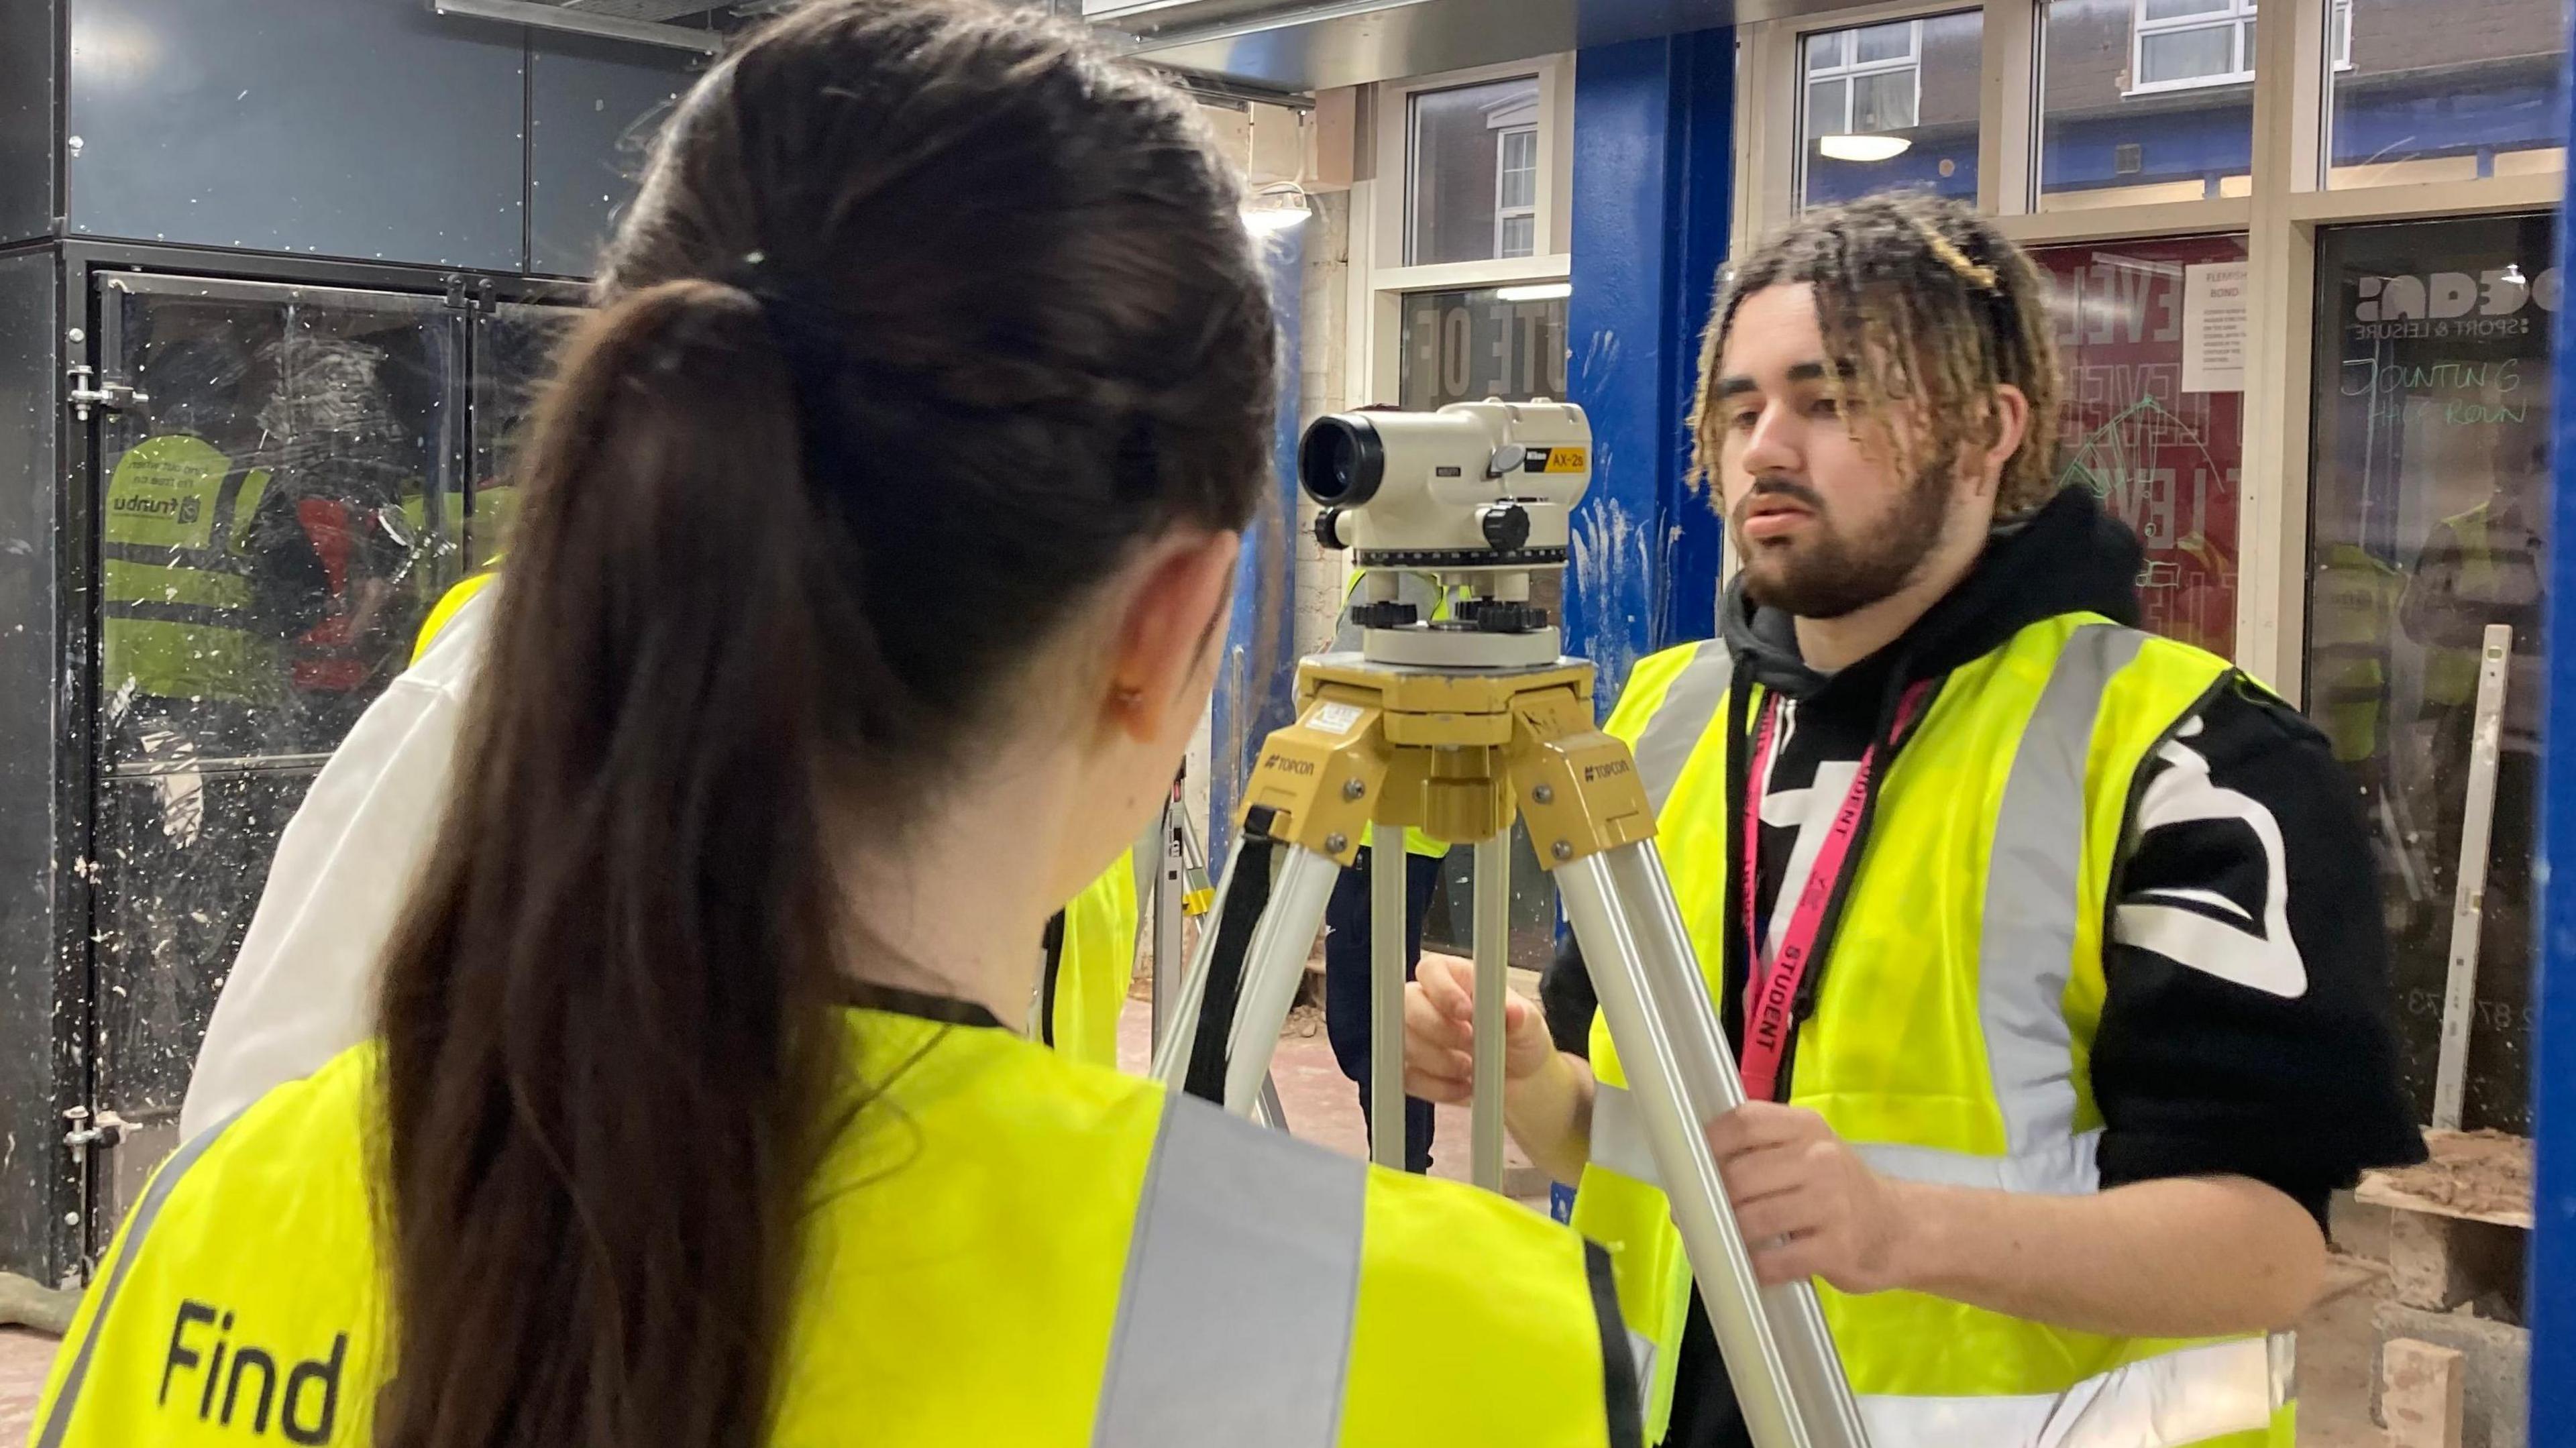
(2194,1074)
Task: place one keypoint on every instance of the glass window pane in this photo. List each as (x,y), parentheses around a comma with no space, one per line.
(2428,523)
(1828,50)
(1883,102)
(1519,183)
(2415,102)
(2103,142)
(1886,42)
(1467,346)
(2186,55)
(1453,165)
(1828,107)
(1909,125)
(2181,9)
(272,520)
(2165,459)
(1519,236)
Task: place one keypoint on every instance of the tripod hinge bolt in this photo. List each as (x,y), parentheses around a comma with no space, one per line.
(1544,794)
(1335,844)
(1352,789)
(1562,849)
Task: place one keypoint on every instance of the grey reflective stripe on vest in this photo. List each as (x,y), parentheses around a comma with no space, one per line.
(1243,1278)
(2033,896)
(137,1228)
(1682,719)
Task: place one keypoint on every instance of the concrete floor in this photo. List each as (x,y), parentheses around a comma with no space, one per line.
(2334,1343)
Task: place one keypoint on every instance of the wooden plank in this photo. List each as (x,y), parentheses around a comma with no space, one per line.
(2423,1394)
(2474,1176)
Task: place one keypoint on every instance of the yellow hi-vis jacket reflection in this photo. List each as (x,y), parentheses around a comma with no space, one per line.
(176,562)
(1007,1248)
(1951,1031)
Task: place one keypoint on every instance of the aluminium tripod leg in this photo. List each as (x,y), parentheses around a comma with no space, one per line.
(1789,1384)
(1714,1087)
(1493,966)
(1388,869)
(1225,1026)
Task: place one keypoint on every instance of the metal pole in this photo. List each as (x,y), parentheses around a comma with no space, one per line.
(1386,997)
(1493,973)
(2468,900)
(1165,968)
(1710,1237)
(1713,1087)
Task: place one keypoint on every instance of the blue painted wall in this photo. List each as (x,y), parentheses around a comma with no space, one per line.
(1256,686)
(2553,1085)
(1654,138)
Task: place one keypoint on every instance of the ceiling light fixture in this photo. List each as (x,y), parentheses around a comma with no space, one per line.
(1863,148)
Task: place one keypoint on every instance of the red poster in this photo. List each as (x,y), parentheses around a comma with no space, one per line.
(2165,461)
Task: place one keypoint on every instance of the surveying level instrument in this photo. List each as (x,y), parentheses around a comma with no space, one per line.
(1457,726)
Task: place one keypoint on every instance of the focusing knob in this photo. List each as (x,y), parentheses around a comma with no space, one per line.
(1328,529)
(1385,615)
(1506,525)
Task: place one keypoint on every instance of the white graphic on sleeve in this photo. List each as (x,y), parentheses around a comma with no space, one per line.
(2259,955)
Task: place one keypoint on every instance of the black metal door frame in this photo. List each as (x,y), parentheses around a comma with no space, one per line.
(87,269)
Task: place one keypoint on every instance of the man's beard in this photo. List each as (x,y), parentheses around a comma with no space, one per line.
(1829,573)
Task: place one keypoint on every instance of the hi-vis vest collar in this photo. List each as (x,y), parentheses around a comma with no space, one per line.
(1953,1020)
(1037,1253)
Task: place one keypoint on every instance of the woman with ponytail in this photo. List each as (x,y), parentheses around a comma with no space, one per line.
(878,532)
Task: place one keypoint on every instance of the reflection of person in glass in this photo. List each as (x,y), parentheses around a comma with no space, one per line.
(202,566)
(330,434)
(202,572)
(2482,567)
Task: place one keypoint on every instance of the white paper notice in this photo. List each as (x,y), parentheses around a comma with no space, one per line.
(2213,327)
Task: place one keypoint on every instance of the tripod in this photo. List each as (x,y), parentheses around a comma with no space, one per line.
(1460,751)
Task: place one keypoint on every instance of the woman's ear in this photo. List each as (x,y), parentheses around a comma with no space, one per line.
(1174,613)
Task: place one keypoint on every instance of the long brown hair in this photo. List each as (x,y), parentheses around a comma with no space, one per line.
(926,318)
(1934,309)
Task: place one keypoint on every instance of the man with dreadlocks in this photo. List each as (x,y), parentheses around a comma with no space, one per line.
(2049,947)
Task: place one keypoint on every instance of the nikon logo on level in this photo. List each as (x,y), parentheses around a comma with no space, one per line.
(1556,460)
(303,1401)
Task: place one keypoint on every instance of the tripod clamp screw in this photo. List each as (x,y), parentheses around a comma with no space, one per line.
(1335,844)
(1544,794)
(1352,789)
(1562,849)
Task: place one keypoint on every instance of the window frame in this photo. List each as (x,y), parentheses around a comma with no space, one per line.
(2238,15)
(2288,204)
(1504,210)
(1373,315)
(1853,71)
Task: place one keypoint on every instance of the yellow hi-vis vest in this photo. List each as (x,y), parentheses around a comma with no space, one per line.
(2350,626)
(1951,1033)
(176,569)
(1095,966)
(1008,1248)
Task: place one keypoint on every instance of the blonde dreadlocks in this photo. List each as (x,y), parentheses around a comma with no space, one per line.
(1932,310)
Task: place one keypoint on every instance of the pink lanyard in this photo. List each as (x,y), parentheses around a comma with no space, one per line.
(1771,995)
